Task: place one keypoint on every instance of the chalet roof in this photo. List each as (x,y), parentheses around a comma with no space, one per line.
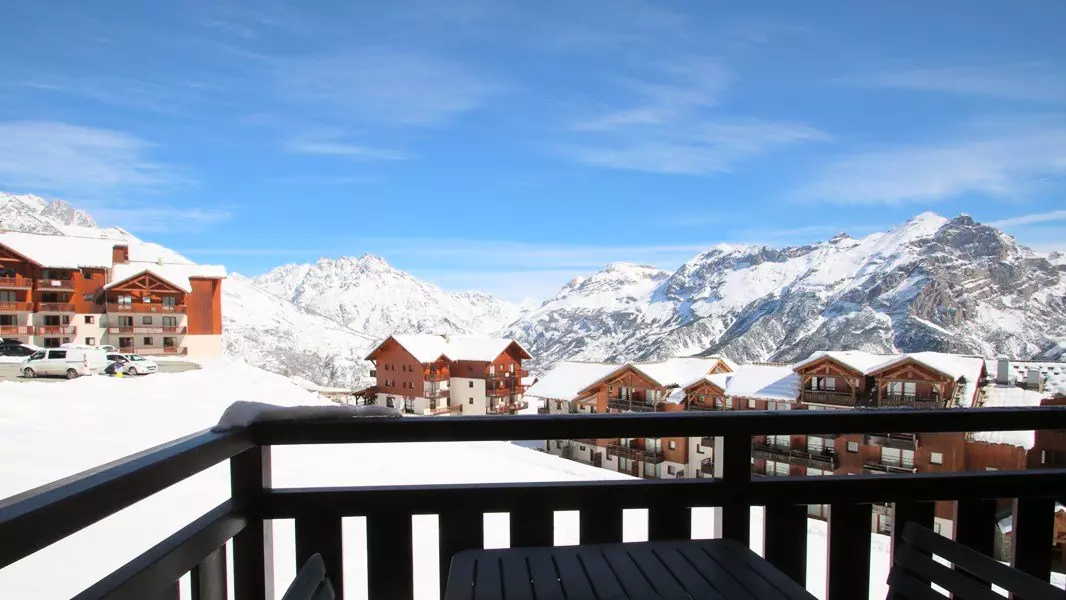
(955,366)
(568,378)
(428,348)
(764,382)
(1053,373)
(176,275)
(676,371)
(858,360)
(1009,396)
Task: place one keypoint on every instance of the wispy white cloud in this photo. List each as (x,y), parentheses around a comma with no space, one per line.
(154,219)
(343,149)
(1003,161)
(1046,217)
(324,180)
(79,161)
(1030,81)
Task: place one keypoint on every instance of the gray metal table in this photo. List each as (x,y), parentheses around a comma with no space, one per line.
(676,569)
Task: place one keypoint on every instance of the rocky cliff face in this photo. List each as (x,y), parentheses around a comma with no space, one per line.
(929,284)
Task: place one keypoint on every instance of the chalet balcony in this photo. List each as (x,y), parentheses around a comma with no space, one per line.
(147,329)
(707,467)
(630,405)
(909,401)
(500,391)
(55,307)
(795,456)
(242,523)
(507,408)
(54,284)
(15,283)
(140,307)
(707,441)
(828,397)
(156,350)
(436,393)
(447,410)
(436,376)
(902,441)
(15,330)
(633,452)
(55,330)
(883,467)
(16,307)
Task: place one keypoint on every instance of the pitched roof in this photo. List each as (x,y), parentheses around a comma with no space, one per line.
(955,366)
(176,275)
(428,347)
(765,382)
(425,348)
(1004,396)
(853,359)
(567,379)
(676,371)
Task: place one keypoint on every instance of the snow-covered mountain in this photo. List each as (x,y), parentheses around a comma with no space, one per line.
(928,284)
(369,295)
(26,212)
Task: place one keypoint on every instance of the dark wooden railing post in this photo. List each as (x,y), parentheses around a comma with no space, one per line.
(920,513)
(975,528)
(208,579)
(321,534)
(669,523)
(457,531)
(1033,536)
(785,539)
(253,547)
(389,556)
(736,475)
(848,563)
(600,525)
(532,526)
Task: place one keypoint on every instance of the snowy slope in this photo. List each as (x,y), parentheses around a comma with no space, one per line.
(26,212)
(928,284)
(369,295)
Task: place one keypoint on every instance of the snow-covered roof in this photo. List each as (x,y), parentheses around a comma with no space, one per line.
(955,366)
(428,348)
(1052,373)
(676,371)
(1009,396)
(567,379)
(858,360)
(175,274)
(764,382)
(61,252)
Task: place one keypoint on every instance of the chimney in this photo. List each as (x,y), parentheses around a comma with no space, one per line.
(1002,370)
(120,254)
(1033,380)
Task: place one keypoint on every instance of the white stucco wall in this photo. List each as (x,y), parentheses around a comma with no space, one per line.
(696,457)
(199,346)
(96,330)
(471,398)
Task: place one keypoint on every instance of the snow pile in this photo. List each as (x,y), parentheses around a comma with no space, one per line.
(863,362)
(568,378)
(243,413)
(676,371)
(764,382)
(1009,396)
(427,348)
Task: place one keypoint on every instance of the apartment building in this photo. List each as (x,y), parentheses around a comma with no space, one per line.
(136,296)
(449,374)
(629,387)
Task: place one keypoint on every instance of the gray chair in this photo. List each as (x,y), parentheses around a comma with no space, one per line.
(913,568)
(311,582)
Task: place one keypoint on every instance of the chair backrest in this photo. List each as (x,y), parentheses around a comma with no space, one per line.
(914,567)
(311,582)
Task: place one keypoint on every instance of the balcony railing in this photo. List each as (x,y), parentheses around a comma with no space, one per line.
(902,441)
(795,456)
(909,401)
(436,393)
(15,283)
(630,405)
(16,307)
(155,350)
(436,375)
(55,307)
(55,330)
(883,467)
(707,466)
(148,329)
(498,391)
(632,452)
(54,284)
(507,408)
(828,397)
(140,307)
(447,410)
(12,330)
(38,518)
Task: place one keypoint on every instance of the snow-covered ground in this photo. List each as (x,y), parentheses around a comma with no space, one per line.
(52,431)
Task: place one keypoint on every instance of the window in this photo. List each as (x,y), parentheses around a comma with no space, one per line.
(936,458)
(853,446)
(57,354)
(559,406)
(751,403)
(125,299)
(148,341)
(7,297)
(125,342)
(673,445)
(146,320)
(1043,457)
(168,342)
(90,341)
(66,340)
(471,383)
(582,448)
(125,321)
(471,401)
(170,321)
(87,297)
(66,319)
(170,301)
(669,469)
(89,319)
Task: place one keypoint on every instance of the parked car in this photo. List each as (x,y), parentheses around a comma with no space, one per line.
(132,364)
(65,362)
(17,350)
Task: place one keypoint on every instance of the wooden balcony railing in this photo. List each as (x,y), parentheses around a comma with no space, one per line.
(883,467)
(447,410)
(707,466)
(54,284)
(630,405)
(827,397)
(908,401)
(129,329)
(436,393)
(508,408)
(500,390)
(140,307)
(55,330)
(902,441)
(154,350)
(16,307)
(55,307)
(15,283)
(13,330)
(436,375)
(632,452)
(795,456)
(38,518)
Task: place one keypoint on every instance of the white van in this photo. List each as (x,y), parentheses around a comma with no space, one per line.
(65,362)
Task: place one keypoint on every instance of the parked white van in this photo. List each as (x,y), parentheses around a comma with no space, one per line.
(65,362)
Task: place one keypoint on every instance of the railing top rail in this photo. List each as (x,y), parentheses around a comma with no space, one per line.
(665,424)
(43,515)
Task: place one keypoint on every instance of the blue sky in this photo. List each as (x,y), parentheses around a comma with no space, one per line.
(508,146)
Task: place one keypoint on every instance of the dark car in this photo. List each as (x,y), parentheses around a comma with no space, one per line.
(16,349)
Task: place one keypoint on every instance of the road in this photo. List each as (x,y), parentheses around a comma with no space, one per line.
(10,371)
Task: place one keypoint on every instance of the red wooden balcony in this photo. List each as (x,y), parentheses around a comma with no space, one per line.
(130,329)
(56,330)
(15,283)
(54,284)
(140,307)
(16,307)
(13,330)
(443,375)
(156,350)
(55,307)
(242,523)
